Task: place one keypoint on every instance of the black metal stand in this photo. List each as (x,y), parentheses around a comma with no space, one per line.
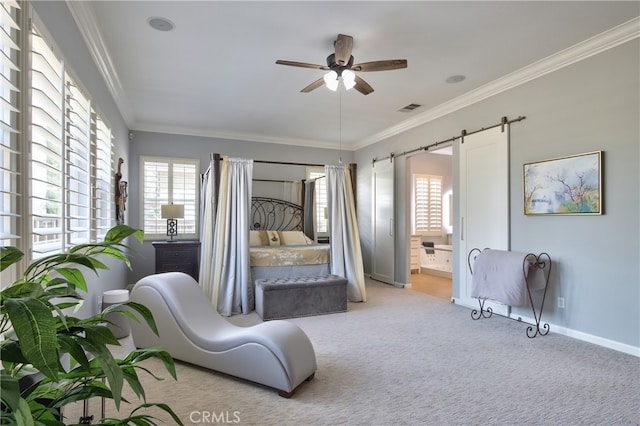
(543,262)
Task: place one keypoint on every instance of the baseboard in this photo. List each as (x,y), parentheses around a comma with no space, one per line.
(435,272)
(554,328)
(395,283)
(597,340)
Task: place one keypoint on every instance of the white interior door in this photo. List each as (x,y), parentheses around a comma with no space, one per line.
(383,222)
(484,202)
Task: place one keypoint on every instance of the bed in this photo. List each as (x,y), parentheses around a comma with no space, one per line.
(278,247)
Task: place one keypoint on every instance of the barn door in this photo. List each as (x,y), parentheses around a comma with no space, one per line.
(383,222)
(484,202)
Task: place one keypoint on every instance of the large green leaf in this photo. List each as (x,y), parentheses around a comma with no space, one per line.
(131,376)
(9,256)
(143,419)
(69,345)
(35,328)
(22,289)
(144,312)
(92,389)
(118,233)
(139,355)
(73,276)
(115,253)
(10,352)
(10,390)
(100,334)
(23,414)
(112,371)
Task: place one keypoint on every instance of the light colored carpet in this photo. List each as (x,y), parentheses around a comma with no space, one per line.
(407,358)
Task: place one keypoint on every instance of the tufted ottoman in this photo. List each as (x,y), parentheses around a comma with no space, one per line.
(291,297)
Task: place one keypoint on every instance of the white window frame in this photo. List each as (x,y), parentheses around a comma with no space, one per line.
(81,162)
(427,219)
(82,155)
(320,219)
(177,189)
(11,142)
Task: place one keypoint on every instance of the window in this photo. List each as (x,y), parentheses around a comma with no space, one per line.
(102,178)
(48,123)
(427,204)
(321,220)
(166,181)
(10,154)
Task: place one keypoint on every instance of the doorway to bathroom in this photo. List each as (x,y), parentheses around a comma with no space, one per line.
(430,221)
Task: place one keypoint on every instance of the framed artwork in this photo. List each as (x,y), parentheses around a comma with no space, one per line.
(569,185)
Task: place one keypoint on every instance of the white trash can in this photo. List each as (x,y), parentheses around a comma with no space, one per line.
(118,323)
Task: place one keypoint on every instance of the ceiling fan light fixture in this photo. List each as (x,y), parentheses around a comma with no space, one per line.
(331,80)
(348,79)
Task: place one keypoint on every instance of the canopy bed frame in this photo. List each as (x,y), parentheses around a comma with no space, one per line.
(246,239)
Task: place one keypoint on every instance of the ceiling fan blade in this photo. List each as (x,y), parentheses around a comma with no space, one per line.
(362,86)
(389,64)
(343,46)
(302,65)
(313,86)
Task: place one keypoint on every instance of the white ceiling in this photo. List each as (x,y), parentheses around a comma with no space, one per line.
(215,75)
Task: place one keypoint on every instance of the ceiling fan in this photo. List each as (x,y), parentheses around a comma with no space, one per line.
(340,64)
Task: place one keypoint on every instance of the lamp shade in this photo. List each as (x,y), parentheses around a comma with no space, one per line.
(331,80)
(348,79)
(172,211)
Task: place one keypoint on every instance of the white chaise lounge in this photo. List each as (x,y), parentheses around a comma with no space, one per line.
(277,354)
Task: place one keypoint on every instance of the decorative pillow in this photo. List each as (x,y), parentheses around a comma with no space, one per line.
(274,238)
(254,238)
(292,238)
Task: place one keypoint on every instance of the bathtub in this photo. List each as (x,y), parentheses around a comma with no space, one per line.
(440,263)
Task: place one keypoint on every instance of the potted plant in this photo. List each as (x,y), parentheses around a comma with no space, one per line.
(50,358)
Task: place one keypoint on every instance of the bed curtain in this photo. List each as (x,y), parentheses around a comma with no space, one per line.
(346,253)
(225,274)
(309,209)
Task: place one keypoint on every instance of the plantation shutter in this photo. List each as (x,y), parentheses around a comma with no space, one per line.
(77,195)
(321,199)
(102,173)
(47,149)
(427,204)
(167,181)
(10,157)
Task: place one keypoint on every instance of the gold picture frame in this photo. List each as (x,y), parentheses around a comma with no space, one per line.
(569,185)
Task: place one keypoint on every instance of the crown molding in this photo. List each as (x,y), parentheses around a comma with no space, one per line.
(604,41)
(87,24)
(237,136)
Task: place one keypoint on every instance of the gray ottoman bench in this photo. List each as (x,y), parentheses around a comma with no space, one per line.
(291,297)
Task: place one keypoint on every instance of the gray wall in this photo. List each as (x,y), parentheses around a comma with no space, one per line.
(588,106)
(181,146)
(61,26)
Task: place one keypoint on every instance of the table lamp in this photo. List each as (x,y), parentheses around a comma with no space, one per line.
(172,212)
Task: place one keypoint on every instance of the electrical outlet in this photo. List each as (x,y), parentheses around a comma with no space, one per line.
(561,302)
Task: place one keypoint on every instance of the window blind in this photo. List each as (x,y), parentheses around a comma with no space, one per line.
(77,195)
(47,148)
(319,173)
(165,181)
(10,157)
(427,204)
(102,177)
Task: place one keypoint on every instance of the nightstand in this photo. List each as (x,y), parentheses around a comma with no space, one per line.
(178,256)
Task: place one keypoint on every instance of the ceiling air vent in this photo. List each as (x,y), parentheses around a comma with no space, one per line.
(409,107)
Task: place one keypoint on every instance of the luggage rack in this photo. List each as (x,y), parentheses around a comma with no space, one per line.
(542,262)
